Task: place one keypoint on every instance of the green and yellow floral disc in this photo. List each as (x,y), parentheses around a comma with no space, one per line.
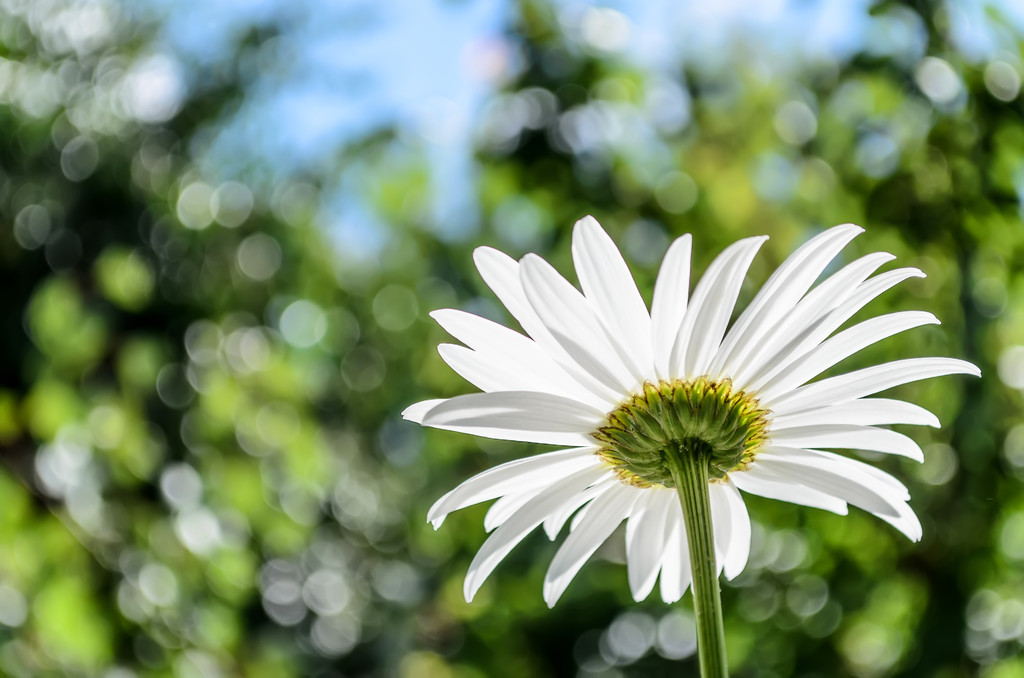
(701,416)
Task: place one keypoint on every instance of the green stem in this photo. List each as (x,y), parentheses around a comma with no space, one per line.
(689,467)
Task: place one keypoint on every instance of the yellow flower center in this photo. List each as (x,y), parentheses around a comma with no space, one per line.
(701,416)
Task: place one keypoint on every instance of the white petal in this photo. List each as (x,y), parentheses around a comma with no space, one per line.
(819,302)
(486,375)
(766,483)
(842,346)
(816,332)
(780,294)
(675,562)
(864,412)
(512,531)
(416,411)
(830,481)
(571,321)
(604,515)
(848,436)
(668,308)
(721,523)
(852,468)
(501,273)
(644,540)
(867,381)
(906,522)
(525,416)
(608,284)
(506,507)
(556,520)
(710,308)
(520,475)
(737,548)
(536,370)
(871,484)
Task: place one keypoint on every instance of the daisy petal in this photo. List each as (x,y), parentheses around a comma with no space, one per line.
(863,412)
(906,522)
(486,374)
(508,506)
(604,515)
(780,294)
(843,465)
(721,521)
(831,481)
(816,305)
(526,416)
(416,411)
(522,356)
(868,381)
(848,436)
(842,346)
(675,563)
(644,541)
(671,291)
(814,334)
(520,475)
(524,521)
(765,483)
(819,302)
(608,284)
(710,308)
(737,548)
(502,274)
(568,317)
(553,523)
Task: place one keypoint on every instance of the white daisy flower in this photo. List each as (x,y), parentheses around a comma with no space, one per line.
(616,386)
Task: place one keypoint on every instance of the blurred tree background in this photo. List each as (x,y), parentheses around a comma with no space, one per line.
(203,468)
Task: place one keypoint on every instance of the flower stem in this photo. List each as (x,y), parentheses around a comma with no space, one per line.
(689,466)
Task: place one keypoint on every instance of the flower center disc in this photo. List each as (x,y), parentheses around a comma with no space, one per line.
(701,416)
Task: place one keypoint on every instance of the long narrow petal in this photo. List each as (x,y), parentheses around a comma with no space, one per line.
(557,519)
(644,541)
(525,416)
(863,486)
(514,476)
(819,302)
(763,482)
(502,274)
(524,521)
(842,346)
(721,521)
(867,381)
(675,563)
(816,332)
(863,412)
(710,308)
(737,548)
(536,369)
(416,411)
(848,436)
(780,294)
(608,284)
(852,468)
(571,321)
(671,293)
(507,506)
(486,374)
(604,515)
(831,481)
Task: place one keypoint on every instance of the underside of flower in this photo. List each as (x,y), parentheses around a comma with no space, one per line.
(700,416)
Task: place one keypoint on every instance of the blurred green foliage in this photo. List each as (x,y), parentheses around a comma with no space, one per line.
(204,472)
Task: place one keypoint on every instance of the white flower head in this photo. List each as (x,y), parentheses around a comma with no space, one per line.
(598,374)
